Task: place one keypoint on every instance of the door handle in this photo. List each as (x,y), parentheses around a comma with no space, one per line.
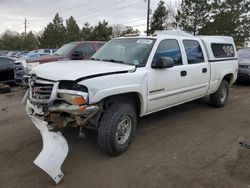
(204,70)
(183,73)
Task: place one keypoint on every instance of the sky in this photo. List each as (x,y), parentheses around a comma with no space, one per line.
(40,12)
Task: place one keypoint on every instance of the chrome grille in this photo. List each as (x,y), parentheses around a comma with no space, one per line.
(41,90)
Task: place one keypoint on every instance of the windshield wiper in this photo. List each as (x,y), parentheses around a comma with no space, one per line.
(92,58)
(114,61)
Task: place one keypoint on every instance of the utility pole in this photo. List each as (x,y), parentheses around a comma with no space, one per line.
(25,27)
(148,12)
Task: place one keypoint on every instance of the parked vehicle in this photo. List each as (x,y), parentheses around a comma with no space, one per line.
(129,77)
(21,65)
(244,64)
(73,51)
(6,69)
(3,52)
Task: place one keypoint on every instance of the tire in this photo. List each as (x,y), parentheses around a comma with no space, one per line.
(117,116)
(4,89)
(220,97)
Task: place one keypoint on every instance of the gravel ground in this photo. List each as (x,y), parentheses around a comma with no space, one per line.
(193,146)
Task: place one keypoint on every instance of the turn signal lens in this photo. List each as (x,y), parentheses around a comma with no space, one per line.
(78,100)
(73,99)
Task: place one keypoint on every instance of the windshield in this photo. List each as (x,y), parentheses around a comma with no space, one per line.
(65,49)
(131,51)
(244,54)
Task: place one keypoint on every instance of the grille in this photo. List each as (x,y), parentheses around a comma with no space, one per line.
(18,66)
(41,90)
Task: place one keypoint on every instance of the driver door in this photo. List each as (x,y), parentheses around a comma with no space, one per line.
(168,86)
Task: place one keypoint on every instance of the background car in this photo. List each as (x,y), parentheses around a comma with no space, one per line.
(7,69)
(3,52)
(70,51)
(244,64)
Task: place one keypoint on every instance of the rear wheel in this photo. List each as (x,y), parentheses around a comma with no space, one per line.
(117,128)
(220,97)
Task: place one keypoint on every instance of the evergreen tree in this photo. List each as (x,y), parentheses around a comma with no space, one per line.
(59,31)
(87,32)
(46,40)
(102,31)
(231,18)
(54,34)
(159,18)
(73,30)
(193,15)
(29,42)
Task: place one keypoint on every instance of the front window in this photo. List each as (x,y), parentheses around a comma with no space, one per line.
(65,49)
(169,48)
(131,51)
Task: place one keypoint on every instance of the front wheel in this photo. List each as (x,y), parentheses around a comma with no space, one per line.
(220,97)
(117,128)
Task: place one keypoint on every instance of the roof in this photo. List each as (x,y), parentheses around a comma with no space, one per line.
(7,57)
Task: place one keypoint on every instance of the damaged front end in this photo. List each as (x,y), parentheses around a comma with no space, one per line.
(56,104)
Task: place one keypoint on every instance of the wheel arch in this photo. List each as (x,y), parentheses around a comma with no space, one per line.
(133,98)
(229,78)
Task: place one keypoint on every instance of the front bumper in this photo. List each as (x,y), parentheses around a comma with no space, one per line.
(55,146)
(243,74)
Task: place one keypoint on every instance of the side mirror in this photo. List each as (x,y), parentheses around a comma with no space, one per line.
(163,62)
(77,55)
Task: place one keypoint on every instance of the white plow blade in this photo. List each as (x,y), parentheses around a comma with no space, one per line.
(54,152)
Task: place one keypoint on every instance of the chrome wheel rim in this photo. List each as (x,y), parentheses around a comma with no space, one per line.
(223,95)
(123,129)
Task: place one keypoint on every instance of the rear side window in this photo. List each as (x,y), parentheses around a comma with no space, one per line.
(222,50)
(169,48)
(193,51)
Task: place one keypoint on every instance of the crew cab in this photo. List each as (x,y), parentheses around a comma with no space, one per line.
(71,51)
(129,77)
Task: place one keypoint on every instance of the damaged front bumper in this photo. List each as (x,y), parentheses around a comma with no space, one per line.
(55,150)
(55,146)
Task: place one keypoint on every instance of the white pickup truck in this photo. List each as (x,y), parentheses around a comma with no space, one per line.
(129,77)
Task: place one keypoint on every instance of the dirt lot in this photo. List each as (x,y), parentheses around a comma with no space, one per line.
(192,145)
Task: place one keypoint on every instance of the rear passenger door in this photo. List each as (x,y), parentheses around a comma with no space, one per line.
(198,68)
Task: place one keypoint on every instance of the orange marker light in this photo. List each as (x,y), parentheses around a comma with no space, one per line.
(78,100)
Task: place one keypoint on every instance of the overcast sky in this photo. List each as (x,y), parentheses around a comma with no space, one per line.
(40,13)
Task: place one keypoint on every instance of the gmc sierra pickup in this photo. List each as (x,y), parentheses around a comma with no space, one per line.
(129,77)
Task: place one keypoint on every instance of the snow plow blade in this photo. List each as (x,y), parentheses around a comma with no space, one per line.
(54,152)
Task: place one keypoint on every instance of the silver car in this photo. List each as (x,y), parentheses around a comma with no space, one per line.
(244,64)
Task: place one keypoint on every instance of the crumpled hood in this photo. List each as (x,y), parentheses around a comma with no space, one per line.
(73,70)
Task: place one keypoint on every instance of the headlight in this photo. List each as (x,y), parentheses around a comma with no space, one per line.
(73,98)
(31,66)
